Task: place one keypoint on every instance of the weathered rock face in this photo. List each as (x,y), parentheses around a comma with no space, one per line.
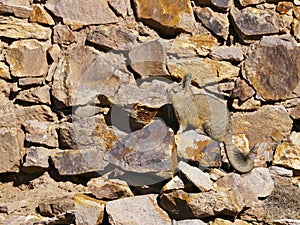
(40,15)
(20,8)
(284,71)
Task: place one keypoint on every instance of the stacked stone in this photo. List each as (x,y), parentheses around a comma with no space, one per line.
(88,136)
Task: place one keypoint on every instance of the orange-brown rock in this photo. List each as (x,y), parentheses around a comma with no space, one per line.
(40,15)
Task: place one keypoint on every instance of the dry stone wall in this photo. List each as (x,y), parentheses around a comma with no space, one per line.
(88,135)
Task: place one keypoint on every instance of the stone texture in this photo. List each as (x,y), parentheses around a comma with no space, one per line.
(228,53)
(42,133)
(174,184)
(8,112)
(194,146)
(218,23)
(149,59)
(167,18)
(219,4)
(4,71)
(37,157)
(20,8)
(79,13)
(149,150)
(56,206)
(136,210)
(109,37)
(75,162)
(110,189)
(62,34)
(19,57)
(121,7)
(196,176)
(248,105)
(242,90)
(287,153)
(40,15)
(12,141)
(20,29)
(285,7)
(39,95)
(88,210)
(33,81)
(219,221)
(83,74)
(40,113)
(250,2)
(253,23)
(260,69)
(269,124)
(188,222)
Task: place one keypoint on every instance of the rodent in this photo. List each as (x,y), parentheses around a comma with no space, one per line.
(208,115)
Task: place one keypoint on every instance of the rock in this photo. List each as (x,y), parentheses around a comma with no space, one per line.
(20,8)
(218,23)
(56,206)
(269,124)
(242,90)
(219,4)
(112,37)
(174,184)
(88,75)
(228,53)
(136,210)
(32,81)
(285,7)
(168,21)
(252,23)
(185,45)
(251,2)
(260,73)
(106,189)
(5,89)
(37,158)
(8,112)
(19,57)
(121,7)
(264,153)
(260,182)
(35,95)
(81,161)
(88,210)
(286,222)
(86,132)
(62,34)
(181,205)
(19,219)
(42,133)
(149,150)
(287,153)
(80,13)
(196,176)
(219,221)
(280,171)
(10,207)
(12,142)
(40,113)
(204,71)
(248,105)
(216,174)
(153,63)
(20,29)
(4,71)
(40,15)
(188,222)
(197,147)
(55,53)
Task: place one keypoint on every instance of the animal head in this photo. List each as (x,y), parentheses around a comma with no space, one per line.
(181,89)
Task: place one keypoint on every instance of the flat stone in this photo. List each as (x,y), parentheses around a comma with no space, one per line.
(4,71)
(188,222)
(204,71)
(266,77)
(186,45)
(137,210)
(242,90)
(36,112)
(55,53)
(37,157)
(12,141)
(43,133)
(40,15)
(220,221)
(88,210)
(253,23)
(196,176)
(197,147)
(248,105)
(287,153)
(39,95)
(10,207)
(8,113)
(286,222)
(109,189)
(62,34)
(269,124)
(174,184)
(76,162)
(220,4)
(20,29)
(149,150)
(228,53)
(277,170)
(166,19)
(88,75)
(19,57)
(80,13)
(218,23)
(109,37)
(56,206)
(20,8)
(121,7)
(251,2)
(31,81)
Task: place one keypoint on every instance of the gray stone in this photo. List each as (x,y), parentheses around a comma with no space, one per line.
(251,2)
(39,95)
(228,53)
(62,34)
(20,8)
(80,13)
(12,141)
(196,176)
(220,4)
(218,23)
(136,210)
(121,7)
(31,81)
(276,170)
(37,157)
(19,57)
(56,206)
(174,184)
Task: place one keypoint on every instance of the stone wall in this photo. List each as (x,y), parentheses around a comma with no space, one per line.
(88,135)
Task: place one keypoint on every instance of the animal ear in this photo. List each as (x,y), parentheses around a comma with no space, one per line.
(186,81)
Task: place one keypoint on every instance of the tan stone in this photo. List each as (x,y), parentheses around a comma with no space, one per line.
(40,15)
(30,81)
(285,7)
(35,95)
(35,112)
(4,71)
(250,2)
(20,57)
(62,34)
(20,8)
